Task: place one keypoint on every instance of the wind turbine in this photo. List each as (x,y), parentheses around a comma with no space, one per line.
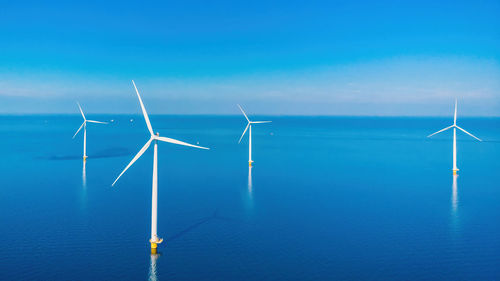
(455,127)
(249,125)
(84,125)
(154,204)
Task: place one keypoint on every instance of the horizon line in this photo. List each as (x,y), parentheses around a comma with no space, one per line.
(234,115)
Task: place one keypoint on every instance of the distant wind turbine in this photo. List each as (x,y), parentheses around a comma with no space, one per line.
(154,137)
(455,127)
(84,125)
(249,125)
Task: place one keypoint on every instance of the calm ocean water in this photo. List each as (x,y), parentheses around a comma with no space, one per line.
(328,198)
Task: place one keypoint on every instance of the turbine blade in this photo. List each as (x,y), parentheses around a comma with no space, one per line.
(246,128)
(244,113)
(81,111)
(440,131)
(139,154)
(98,122)
(258,122)
(144,111)
(79,129)
(455,116)
(469,133)
(178,142)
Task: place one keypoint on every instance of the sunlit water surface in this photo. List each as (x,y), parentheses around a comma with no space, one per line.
(327,198)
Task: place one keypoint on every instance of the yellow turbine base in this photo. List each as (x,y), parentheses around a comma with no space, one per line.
(154,244)
(250,163)
(455,172)
(85,158)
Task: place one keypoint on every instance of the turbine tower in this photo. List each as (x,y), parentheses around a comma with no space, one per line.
(455,127)
(154,203)
(249,126)
(84,125)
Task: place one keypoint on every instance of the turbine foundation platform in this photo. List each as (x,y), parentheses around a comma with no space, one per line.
(455,172)
(250,163)
(154,245)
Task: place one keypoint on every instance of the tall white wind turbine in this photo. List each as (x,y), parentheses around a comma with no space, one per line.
(154,203)
(455,127)
(249,126)
(84,125)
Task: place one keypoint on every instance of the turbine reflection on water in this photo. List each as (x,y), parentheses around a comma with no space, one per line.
(454,198)
(152,269)
(84,188)
(247,194)
(250,181)
(84,175)
(455,223)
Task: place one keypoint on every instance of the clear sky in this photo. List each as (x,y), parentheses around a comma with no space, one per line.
(273,57)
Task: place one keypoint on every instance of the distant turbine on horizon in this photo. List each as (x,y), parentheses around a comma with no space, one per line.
(154,204)
(84,125)
(455,127)
(249,125)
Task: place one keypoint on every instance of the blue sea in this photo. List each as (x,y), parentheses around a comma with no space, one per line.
(328,198)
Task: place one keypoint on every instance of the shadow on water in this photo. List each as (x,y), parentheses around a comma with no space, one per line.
(107,153)
(202,221)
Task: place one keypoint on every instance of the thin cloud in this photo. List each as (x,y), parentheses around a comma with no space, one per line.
(412,81)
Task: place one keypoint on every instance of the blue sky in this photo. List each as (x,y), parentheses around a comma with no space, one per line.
(274,57)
